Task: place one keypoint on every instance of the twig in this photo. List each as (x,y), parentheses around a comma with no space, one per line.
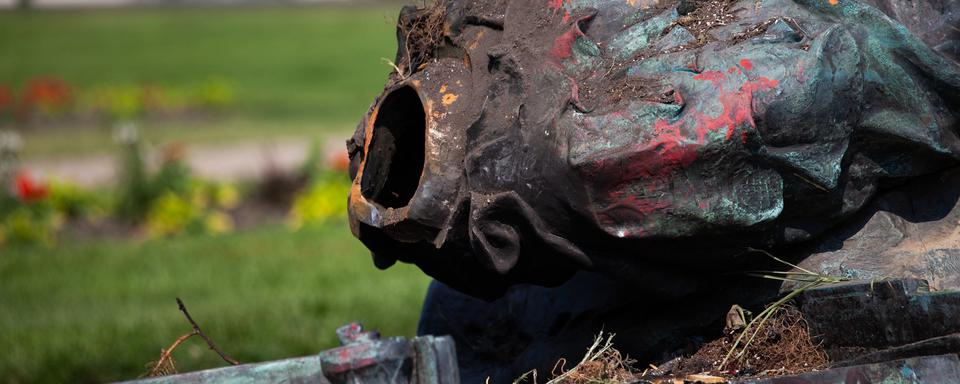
(166,356)
(815,185)
(395,68)
(522,377)
(210,343)
(787,263)
(165,364)
(596,350)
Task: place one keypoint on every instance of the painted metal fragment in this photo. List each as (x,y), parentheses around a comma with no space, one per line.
(363,358)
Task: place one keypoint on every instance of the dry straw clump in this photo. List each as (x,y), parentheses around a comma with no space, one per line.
(602,364)
(783,345)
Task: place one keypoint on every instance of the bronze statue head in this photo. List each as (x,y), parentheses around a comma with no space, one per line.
(651,141)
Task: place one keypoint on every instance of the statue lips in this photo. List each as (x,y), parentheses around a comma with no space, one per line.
(539,138)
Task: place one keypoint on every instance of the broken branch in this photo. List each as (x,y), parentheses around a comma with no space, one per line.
(196,328)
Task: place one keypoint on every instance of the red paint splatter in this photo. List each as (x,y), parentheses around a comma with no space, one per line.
(629,208)
(677,97)
(666,151)
(345,354)
(669,150)
(563,45)
(746,64)
(555,4)
(715,76)
(760,84)
(575,95)
(737,106)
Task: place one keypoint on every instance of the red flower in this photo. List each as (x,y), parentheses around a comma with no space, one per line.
(47,93)
(27,189)
(338,160)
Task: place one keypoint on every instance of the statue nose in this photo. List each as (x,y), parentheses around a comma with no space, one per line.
(407,182)
(384,197)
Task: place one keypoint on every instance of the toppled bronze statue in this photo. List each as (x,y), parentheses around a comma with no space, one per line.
(652,145)
(642,139)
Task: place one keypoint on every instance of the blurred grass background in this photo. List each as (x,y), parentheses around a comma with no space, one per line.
(94,310)
(296,70)
(100,311)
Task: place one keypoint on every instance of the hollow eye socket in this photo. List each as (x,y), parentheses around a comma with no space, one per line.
(394,160)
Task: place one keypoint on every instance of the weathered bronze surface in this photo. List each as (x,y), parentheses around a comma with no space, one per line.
(854,317)
(650,141)
(910,231)
(944,369)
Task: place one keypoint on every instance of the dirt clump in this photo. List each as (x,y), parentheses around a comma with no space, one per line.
(783,345)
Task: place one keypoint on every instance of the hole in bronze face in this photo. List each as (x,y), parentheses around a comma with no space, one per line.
(394,159)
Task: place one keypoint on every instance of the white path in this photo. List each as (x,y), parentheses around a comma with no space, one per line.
(229,162)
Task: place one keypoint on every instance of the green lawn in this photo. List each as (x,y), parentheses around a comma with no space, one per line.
(98,311)
(297,71)
(319,62)
(91,311)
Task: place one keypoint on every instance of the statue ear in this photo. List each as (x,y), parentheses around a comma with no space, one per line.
(496,243)
(503,227)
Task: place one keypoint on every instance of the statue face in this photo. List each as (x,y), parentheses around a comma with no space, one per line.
(639,138)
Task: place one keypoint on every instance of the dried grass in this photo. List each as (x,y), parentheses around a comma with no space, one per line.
(775,342)
(602,364)
(782,346)
(706,15)
(166,365)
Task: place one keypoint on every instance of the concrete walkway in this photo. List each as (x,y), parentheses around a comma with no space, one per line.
(229,162)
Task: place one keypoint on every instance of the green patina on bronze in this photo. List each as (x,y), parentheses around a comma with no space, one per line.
(638,137)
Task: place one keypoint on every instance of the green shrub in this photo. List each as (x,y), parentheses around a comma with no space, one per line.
(134,187)
(202,210)
(216,93)
(324,199)
(35,224)
(73,202)
(171,214)
(118,102)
